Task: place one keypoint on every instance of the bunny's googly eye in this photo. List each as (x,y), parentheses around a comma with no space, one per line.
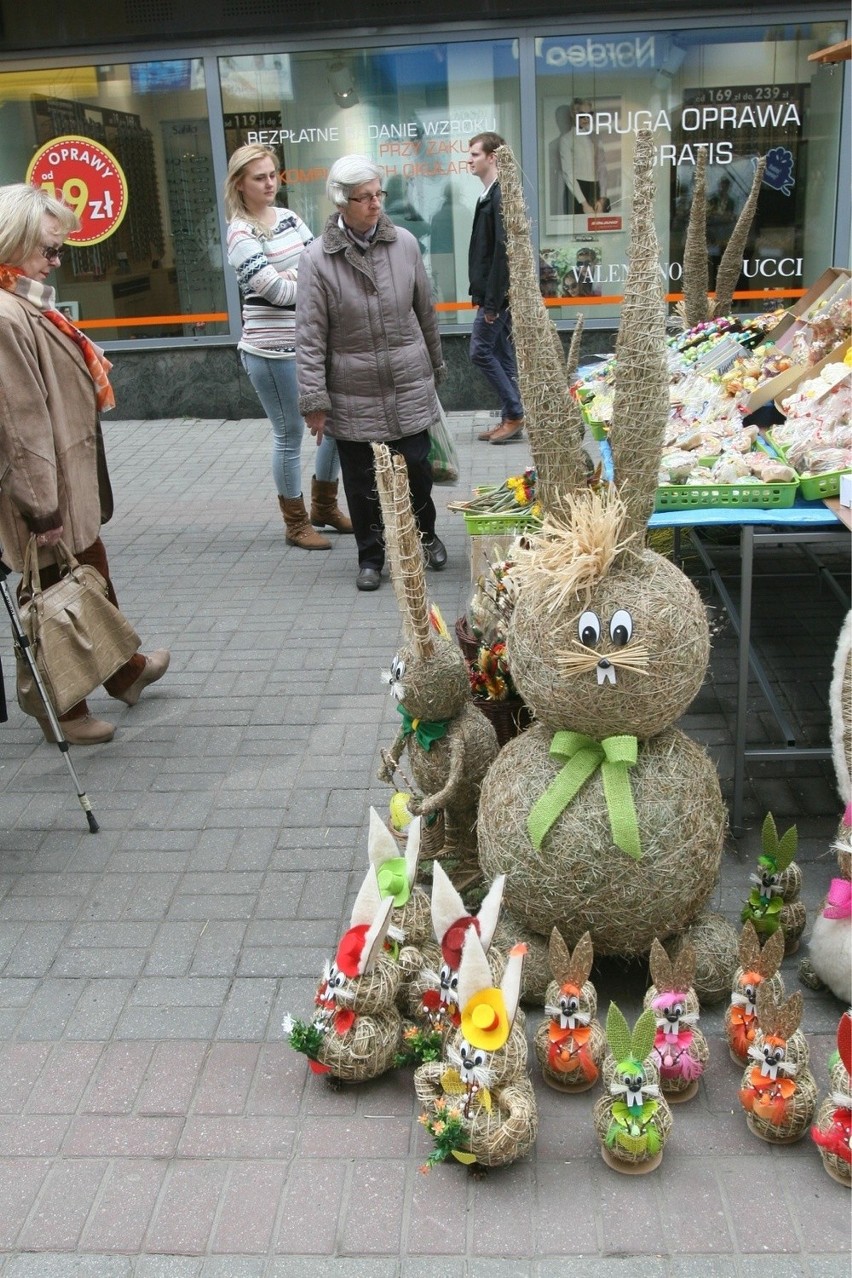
(478,1059)
(397,668)
(620,627)
(589,629)
(678,1010)
(751,993)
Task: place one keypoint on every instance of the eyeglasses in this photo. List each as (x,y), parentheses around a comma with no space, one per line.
(52,253)
(379,197)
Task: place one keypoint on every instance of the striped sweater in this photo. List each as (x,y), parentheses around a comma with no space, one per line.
(266,264)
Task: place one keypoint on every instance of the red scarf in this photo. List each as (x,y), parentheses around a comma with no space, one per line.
(13,280)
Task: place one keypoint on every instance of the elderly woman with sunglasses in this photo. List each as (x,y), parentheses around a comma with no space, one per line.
(368,354)
(53,385)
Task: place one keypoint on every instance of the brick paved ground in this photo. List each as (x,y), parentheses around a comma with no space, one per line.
(152,1120)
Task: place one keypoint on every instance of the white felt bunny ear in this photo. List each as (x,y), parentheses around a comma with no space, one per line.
(360,946)
(381,845)
(368,901)
(489,911)
(487,1014)
(395,874)
(447,906)
(412,849)
(474,972)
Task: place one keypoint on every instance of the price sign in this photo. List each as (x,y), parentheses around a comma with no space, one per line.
(87,177)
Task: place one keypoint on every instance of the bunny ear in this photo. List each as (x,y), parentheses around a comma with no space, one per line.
(489,911)
(696,276)
(447,905)
(617,1033)
(412,849)
(511,982)
(731,264)
(642,1038)
(381,845)
(640,409)
(376,934)
(770,957)
(581,960)
(403,547)
(683,968)
(661,968)
(371,915)
(790,1014)
(844,1041)
(749,947)
(768,1008)
(558,957)
(368,902)
(474,972)
(553,416)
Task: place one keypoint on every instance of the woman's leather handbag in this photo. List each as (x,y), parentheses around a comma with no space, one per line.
(78,638)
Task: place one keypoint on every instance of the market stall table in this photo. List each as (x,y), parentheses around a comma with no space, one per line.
(805,525)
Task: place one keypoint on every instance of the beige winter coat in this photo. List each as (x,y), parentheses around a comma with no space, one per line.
(367,343)
(52,468)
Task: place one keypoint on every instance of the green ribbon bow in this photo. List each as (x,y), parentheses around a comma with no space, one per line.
(426,732)
(393,880)
(582,756)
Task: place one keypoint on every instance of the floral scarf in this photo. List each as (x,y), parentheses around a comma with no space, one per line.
(13,280)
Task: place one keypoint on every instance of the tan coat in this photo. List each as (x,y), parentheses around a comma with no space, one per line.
(367,344)
(52,468)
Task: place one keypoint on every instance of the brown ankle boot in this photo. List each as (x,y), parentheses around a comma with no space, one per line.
(324,507)
(299,530)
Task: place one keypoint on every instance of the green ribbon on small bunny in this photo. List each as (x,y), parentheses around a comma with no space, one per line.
(582,756)
(425,731)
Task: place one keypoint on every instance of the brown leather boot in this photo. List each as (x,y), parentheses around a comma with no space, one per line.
(299,530)
(324,507)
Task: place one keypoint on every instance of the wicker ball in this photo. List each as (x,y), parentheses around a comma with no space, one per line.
(579,879)
(669,621)
(798,1111)
(838,1077)
(715,941)
(377,990)
(366,1050)
(437,686)
(414,919)
(837,1167)
(574,1070)
(602,1117)
(792,921)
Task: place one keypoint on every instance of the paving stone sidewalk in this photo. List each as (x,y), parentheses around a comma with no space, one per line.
(153,1121)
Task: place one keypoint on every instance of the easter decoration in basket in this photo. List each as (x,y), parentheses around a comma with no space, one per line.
(829,960)
(758,967)
(680,1049)
(778,1092)
(632,1120)
(449,743)
(479,1104)
(356,1030)
(570,1043)
(773,903)
(832,1130)
(603,815)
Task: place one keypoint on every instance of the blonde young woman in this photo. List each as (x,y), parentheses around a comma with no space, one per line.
(53,385)
(265,243)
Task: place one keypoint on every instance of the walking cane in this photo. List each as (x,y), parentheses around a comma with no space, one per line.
(22,644)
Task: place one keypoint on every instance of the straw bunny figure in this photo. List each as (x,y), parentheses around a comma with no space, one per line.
(832,1131)
(680,1049)
(570,1044)
(410,925)
(773,902)
(757,967)
(479,1103)
(633,1121)
(436,988)
(450,744)
(603,815)
(779,1092)
(356,1029)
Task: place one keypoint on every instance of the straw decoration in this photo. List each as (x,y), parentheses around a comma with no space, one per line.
(404,549)
(696,275)
(732,258)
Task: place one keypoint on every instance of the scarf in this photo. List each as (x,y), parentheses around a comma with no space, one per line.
(13,280)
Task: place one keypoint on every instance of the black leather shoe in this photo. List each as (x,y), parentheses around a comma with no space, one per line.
(435,552)
(368,578)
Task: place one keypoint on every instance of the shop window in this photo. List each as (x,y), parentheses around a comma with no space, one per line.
(738,93)
(412,109)
(129,147)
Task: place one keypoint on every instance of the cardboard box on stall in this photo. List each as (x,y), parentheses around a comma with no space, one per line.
(836,356)
(779,387)
(780,334)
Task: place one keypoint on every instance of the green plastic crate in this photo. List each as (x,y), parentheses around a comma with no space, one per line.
(710,496)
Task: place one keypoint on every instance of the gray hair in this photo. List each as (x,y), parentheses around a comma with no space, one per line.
(347,173)
(22,212)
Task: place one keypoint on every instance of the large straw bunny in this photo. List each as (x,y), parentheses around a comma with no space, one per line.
(603,816)
(450,744)
(480,1105)
(356,1030)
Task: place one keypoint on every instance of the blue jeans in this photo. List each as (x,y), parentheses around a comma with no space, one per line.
(274,381)
(492,351)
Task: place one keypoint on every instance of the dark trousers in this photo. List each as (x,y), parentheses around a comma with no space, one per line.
(591,190)
(493,351)
(359,484)
(131,670)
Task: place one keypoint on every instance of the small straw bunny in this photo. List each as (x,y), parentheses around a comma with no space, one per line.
(480,1107)
(450,744)
(779,1092)
(633,1121)
(680,1049)
(832,1131)
(757,967)
(356,1030)
(773,902)
(570,1045)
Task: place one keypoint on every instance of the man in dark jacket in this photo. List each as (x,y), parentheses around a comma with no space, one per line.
(491,348)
